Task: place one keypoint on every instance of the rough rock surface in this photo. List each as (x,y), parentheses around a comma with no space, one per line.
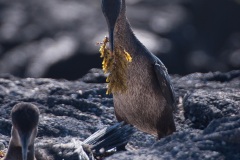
(207,119)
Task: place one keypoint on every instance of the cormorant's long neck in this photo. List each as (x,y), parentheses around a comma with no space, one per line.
(124,36)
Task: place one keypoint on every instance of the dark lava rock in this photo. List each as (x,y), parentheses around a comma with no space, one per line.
(220,140)
(94,76)
(213,98)
(207,117)
(202,106)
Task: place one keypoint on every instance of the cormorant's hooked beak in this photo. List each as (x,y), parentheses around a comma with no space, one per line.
(111,10)
(111,38)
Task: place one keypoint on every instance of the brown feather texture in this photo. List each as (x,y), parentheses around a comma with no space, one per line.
(115,65)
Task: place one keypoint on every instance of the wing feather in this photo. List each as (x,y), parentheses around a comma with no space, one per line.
(165,83)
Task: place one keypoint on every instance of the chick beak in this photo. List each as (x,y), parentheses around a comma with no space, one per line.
(24,141)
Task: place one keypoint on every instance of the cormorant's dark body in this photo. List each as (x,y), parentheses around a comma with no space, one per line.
(25,117)
(149,100)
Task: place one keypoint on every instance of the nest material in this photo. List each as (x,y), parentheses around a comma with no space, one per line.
(115,65)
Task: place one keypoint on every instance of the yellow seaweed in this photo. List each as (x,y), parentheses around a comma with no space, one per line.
(115,65)
(1,155)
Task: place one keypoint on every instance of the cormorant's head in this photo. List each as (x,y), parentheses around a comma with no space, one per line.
(111,10)
(25,117)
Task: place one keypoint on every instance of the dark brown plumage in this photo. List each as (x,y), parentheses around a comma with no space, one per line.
(25,117)
(149,100)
